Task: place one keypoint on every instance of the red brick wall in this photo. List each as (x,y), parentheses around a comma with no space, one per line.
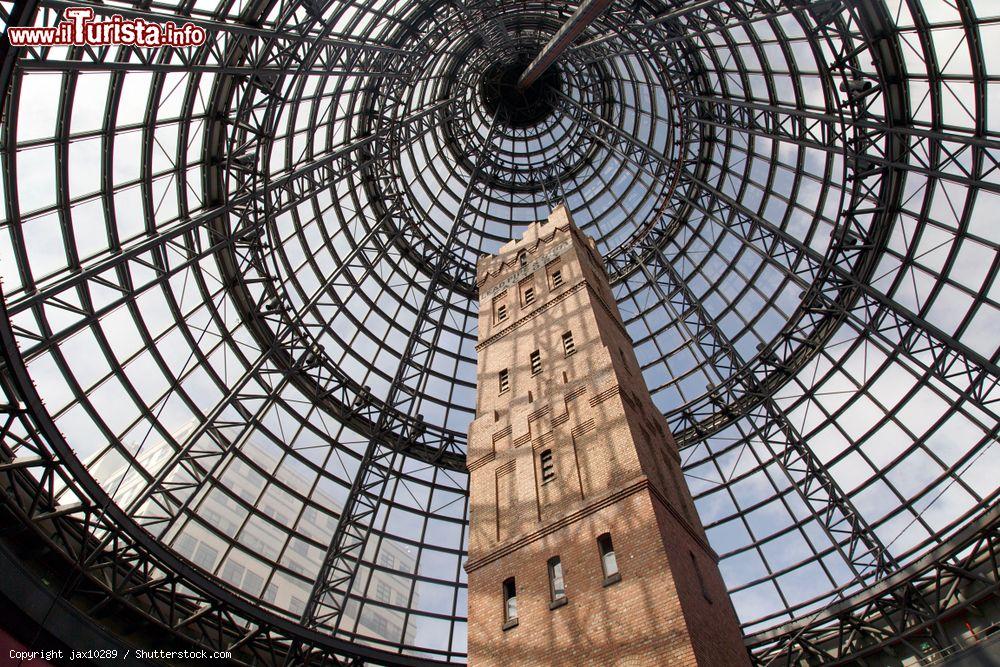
(616,471)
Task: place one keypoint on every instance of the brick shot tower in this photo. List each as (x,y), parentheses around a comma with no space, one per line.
(585,547)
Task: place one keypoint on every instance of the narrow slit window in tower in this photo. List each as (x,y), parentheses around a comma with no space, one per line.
(557,586)
(509,603)
(608,561)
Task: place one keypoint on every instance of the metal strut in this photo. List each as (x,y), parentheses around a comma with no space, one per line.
(864,553)
(577,23)
(340,565)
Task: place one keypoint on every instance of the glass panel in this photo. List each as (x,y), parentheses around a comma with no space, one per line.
(556,579)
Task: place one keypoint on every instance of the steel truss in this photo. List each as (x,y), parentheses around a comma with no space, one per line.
(680,24)
(907,607)
(647,96)
(288,338)
(340,566)
(112,564)
(870,157)
(859,546)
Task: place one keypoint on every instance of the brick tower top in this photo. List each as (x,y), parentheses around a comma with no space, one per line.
(553,243)
(534,234)
(537,294)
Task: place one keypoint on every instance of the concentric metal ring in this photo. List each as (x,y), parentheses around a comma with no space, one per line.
(219,271)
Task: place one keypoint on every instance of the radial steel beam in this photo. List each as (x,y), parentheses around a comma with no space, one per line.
(849,532)
(291,349)
(906,607)
(701,19)
(282,191)
(486,20)
(129,564)
(577,23)
(955,364)
(941,155)
(655,21)
(336,576)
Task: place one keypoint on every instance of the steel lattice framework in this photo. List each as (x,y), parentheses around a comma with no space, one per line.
(239,308)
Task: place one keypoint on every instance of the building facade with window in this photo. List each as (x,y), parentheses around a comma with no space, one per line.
(585,547)
(253,553)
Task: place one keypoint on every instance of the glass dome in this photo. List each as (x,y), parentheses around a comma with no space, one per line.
(239,306)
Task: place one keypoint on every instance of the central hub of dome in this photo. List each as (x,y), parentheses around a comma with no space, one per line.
(519,108)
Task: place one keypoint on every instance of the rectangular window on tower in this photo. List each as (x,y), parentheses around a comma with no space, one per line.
(504,380)
(509,604)
(569,347)
(526,288)
(608,561)
(557,587)
(547,465)
(557,279)
(536,362)
(500,307)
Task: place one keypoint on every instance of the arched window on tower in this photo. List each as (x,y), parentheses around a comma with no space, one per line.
(569,347)
(509,603)
(608,561)
(557,586)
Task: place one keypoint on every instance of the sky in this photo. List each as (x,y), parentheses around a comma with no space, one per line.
(911,453)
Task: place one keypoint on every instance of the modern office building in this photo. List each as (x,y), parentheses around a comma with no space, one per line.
(225,538)
(241,334)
